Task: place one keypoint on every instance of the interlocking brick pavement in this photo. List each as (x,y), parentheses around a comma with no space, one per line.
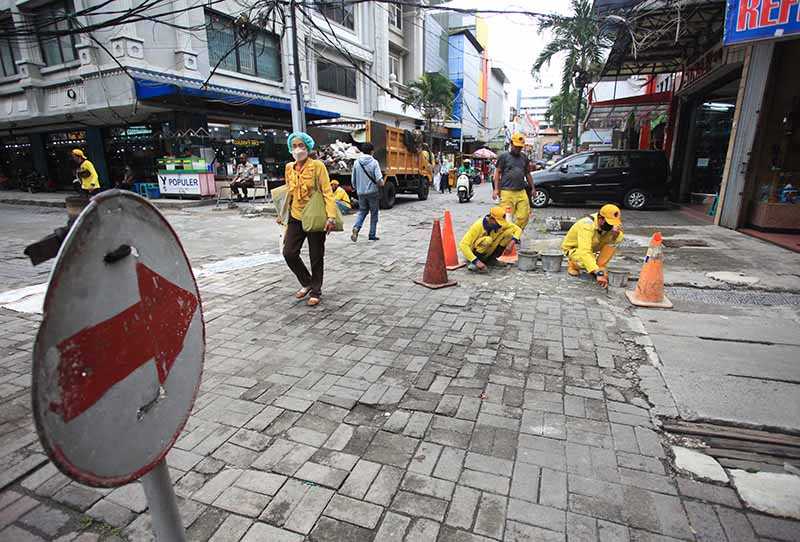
(506,408)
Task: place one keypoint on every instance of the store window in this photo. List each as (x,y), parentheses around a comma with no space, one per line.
(396,15)
(8,49)
(336,79)
(339,12)
(245,50)
(137,147)
(16,160)
(59,155)
(265,146)
(51,20)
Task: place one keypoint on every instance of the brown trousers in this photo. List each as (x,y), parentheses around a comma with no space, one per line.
(292,244)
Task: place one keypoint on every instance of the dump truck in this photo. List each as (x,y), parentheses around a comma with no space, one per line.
(405,171)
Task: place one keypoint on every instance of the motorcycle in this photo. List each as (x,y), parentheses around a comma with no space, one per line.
(464,188)
(35,182)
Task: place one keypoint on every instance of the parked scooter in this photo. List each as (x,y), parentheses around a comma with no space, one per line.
(34,182)
(464,188)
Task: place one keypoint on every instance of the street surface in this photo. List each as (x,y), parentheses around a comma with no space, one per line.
(515,406)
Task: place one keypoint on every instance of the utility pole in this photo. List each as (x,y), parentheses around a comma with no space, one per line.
(298,102)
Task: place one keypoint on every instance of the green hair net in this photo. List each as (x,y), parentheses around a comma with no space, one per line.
(309,142)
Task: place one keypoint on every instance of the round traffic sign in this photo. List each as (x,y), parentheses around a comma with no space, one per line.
(119,355)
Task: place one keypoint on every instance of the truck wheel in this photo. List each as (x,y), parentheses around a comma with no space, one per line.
(388,195)
(424,189)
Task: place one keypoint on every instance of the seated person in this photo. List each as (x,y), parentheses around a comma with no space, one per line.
(488,238)
(591,242)
(341,197)
(244,178)
(467,169)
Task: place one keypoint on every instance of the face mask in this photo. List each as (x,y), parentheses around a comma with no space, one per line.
(299,154)
(606,227)
(489,226)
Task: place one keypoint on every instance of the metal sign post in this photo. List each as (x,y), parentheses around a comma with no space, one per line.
(119,355)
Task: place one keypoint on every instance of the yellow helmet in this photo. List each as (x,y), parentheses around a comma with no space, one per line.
(499,214)
(518,140)
(611,213)
(334,182)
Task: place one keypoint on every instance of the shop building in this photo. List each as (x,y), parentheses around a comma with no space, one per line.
(169,92)
(734,115)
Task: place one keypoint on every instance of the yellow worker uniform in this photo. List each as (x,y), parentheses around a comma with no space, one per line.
(480,243)
(341,195)
(584,240)
(520,205)
(92,181)
(302,184)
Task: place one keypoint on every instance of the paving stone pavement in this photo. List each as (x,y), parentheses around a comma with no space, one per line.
(506,408)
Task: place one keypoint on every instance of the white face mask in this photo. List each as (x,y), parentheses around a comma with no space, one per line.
(299,154)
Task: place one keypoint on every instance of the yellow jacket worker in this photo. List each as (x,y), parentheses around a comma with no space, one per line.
(512,179)
(591,242)
(85,171)
(487,238)
(341,198)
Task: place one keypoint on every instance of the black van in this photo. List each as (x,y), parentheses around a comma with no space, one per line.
(634,178)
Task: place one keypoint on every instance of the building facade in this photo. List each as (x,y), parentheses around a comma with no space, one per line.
(135,92)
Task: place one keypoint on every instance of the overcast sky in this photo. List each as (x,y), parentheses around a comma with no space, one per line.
(514,42)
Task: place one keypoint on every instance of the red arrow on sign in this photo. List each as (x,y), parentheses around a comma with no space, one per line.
(96,358)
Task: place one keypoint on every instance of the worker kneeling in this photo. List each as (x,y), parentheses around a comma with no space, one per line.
(488,238)
(591,242)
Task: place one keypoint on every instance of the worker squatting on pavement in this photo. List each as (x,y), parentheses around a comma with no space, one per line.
(487,238)
(513,182)
(592,241)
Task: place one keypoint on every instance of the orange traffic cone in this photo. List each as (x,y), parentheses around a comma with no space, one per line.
(649,290)
(435,274)
(509,254)
(449,239)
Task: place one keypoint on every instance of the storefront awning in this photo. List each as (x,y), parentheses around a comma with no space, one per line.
(153,86)
(614,113)
(659,36)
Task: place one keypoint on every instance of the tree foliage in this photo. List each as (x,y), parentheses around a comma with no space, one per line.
(561,110)
(432,95)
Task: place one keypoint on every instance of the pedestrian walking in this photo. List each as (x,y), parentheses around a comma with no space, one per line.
(513,181)
(87,179)
(305,176)
(367,179)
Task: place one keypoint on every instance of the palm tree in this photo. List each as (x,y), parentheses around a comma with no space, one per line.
(432,95)
(561,109)
(584,41)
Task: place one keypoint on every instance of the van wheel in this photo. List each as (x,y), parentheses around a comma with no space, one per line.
(540,198)
(424,189)
(388,195)
(635,199)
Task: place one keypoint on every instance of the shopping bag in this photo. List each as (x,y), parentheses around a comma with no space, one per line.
(314,215)
(281,201)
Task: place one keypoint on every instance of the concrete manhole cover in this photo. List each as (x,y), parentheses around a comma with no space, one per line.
(732,277)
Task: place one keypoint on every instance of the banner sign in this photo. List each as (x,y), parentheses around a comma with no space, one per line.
(179,184)
(552,148)
(750,20)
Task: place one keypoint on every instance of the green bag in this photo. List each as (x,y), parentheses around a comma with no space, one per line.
(314,214)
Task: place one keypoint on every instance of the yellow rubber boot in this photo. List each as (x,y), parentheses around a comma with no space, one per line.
(572,268)
(606,253)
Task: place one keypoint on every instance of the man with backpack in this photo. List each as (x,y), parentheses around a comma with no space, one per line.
(367,180)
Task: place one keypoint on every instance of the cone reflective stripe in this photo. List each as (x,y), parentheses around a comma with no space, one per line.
(510,253)
(449,240)
(435,274)
(649,290)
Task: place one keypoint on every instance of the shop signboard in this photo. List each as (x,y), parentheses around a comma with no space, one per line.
(750,20)
(179,183)
(552,148)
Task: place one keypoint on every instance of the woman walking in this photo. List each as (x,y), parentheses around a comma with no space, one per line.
(304,176)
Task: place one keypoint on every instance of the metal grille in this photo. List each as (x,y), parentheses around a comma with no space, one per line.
(731,297)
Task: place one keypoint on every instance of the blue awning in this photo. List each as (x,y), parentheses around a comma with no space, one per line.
(155,86)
